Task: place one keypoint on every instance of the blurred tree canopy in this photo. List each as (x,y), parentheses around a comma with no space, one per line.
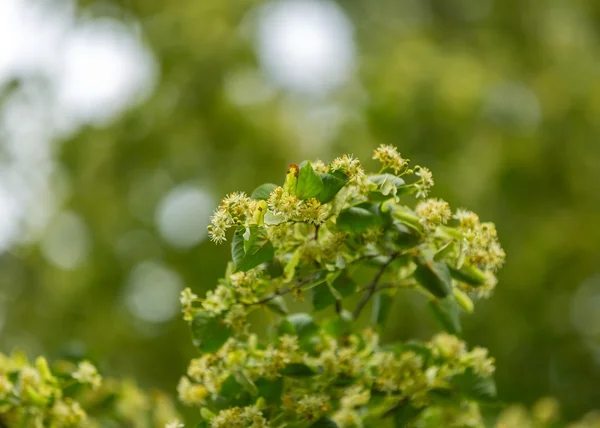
(500,99)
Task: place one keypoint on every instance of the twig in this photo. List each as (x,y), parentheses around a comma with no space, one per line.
(338,307)
(372,287)
(388,286)
(284,291)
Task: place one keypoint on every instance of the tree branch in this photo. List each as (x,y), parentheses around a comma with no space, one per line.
(284,291)
(372,287)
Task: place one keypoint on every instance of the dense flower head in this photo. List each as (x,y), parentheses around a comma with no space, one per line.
(237,417)
(425,183)
(390,158)
(234,209)
(350,166)
(433,212)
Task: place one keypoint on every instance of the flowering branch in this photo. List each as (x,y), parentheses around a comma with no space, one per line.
(317,370)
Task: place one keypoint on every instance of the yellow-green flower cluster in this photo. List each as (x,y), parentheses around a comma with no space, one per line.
(455,352)
(545,413)
(482,246)
(390,158)
(404,376)
(353,399)
(283,204)
(425,183)
(33,395)
(234,209)
(239,417)
(433,213)
(305,239)
(306,407)
(350,166)
(87,373)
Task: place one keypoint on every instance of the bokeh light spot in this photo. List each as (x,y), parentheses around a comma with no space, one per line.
(152,292)
(106,69)
(305,45)
(182,215)
(66,244)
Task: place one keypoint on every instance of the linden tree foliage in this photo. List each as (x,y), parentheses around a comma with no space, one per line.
(69,395)
(311,238)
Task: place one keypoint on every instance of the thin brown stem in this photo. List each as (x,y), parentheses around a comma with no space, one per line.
(284,291)
(372,287)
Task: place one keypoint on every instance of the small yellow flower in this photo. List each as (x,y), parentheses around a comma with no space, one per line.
(88,374)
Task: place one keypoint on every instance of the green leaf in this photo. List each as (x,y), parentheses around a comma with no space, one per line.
(469,275)
(272,219)
(382,303)
(270,390)
(357,219)
(340,325)
(277,304)
(242,378)
(232,393)
(285,327)
(290,267)
(325,295)
(250,248)
(403,236)
(407,189)
(463,300)
(447,313)
(474,386)
(298,370)
(206,414)
(263,192)
(302,325)
(405,415)
(209,333)
(275,269)
(387,186)
(310,184)
(332,184)
(381,179)
(322,297)
(409,219)
(444,251)
(324,422)
(433,276)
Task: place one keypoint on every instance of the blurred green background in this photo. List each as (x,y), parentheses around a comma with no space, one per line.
(122,123)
